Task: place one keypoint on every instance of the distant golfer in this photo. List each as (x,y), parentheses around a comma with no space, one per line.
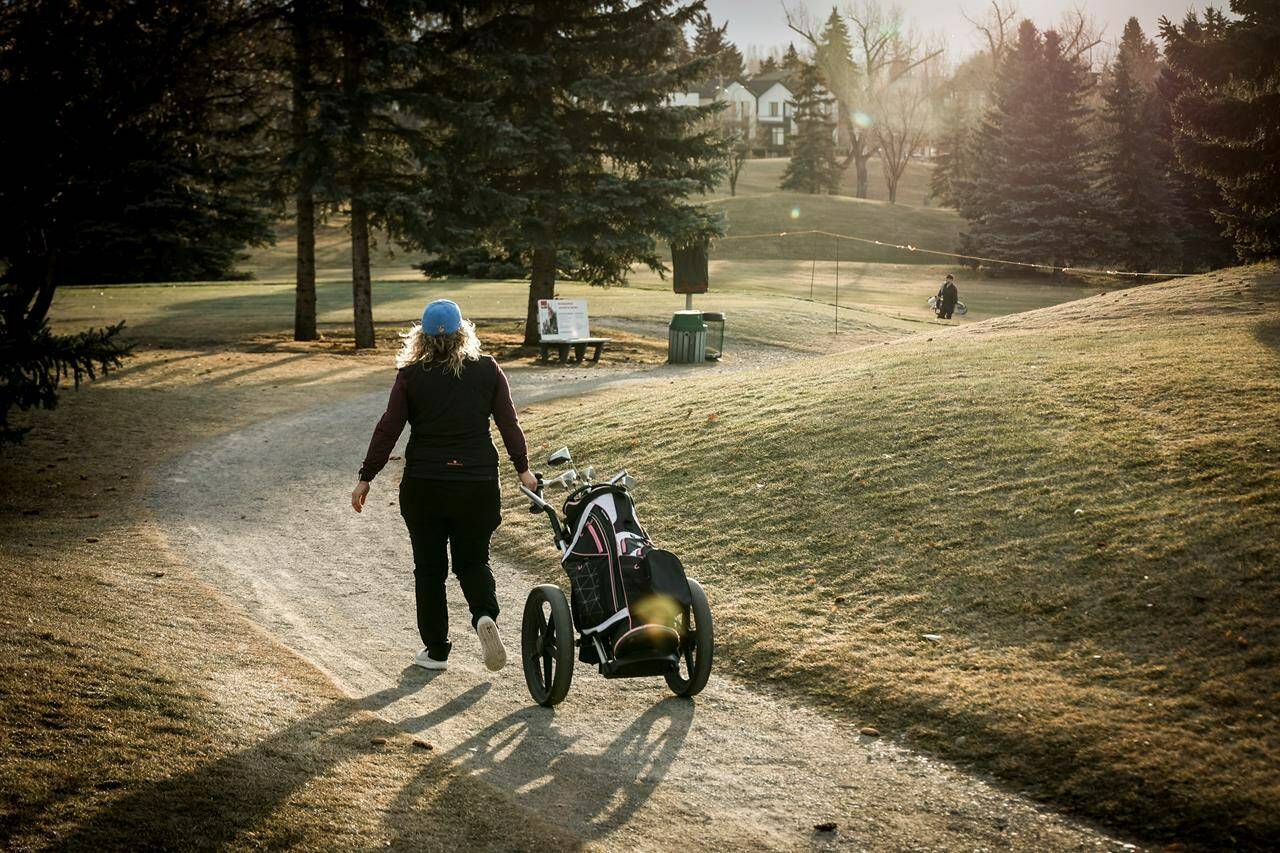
(948,296)
(446,391)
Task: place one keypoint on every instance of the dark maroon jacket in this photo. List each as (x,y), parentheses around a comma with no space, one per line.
(448,419)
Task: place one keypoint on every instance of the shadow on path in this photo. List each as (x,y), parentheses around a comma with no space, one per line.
(593,794)
(232,799)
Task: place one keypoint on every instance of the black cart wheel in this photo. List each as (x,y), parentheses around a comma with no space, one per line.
(546,644)
(697,648)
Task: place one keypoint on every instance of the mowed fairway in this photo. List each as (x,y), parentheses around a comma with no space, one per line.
(1044,544)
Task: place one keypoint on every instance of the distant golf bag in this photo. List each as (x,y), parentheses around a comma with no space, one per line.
(631,610)
(627,596)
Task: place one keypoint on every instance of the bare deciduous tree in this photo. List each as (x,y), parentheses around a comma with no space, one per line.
(998,26)
(904,123)
(883,53)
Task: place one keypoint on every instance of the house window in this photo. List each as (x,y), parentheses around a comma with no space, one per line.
(773,109)
(779,137)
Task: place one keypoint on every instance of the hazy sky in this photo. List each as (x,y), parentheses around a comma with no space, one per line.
(762,22)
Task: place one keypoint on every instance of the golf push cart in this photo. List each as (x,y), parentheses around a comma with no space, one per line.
(633,612)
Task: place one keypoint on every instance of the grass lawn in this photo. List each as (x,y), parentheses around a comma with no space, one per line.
(765,174)
(1044,544)
(766,302)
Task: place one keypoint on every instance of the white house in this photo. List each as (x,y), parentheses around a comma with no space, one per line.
(765,101)
(775,107)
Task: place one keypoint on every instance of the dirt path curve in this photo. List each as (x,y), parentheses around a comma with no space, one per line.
(263,514)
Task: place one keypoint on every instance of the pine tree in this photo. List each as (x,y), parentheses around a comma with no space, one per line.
(1139,204)
(711,43)
(129,162)
(125,160)
(952,163)
(554,136)
(1200,237)
(1227,123)
(1032,198)
(791,60)
(307,167)
(813,167)
(768,65)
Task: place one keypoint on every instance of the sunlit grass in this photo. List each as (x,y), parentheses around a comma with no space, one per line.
(1080,503)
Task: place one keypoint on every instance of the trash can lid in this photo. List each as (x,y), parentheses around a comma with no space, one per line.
(713,315)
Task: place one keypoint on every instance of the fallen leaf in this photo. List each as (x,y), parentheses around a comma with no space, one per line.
(869,731)
(422,744)
(829,826)
(92,539)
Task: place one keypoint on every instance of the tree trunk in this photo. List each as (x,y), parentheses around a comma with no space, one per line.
(860,161)
(542,285)
(361,284)
(304,310)
(357,123)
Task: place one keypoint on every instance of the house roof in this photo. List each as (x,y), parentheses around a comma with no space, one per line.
(762,83)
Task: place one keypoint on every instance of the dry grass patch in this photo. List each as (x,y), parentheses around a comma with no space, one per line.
(1077,505)
(140,710)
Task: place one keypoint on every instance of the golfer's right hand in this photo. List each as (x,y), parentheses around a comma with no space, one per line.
(358,494)
(530,481)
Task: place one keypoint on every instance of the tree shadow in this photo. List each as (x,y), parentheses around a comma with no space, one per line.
(593,794)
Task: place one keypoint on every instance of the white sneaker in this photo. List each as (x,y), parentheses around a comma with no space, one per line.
(495,654)
(424,660)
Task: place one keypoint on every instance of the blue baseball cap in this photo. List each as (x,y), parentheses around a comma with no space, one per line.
(442,317)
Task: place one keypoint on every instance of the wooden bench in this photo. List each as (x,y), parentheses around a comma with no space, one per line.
(579,346)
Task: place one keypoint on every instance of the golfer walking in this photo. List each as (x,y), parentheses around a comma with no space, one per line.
(446,391)
(948,296)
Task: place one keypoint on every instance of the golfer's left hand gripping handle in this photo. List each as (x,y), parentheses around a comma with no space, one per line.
(536,502)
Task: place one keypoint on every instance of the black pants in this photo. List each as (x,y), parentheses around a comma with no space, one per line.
(457,517)
(945,313)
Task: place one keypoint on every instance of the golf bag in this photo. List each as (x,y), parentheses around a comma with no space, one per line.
(628,597)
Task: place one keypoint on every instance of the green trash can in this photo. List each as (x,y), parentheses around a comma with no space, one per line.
(714,321)
(686,338)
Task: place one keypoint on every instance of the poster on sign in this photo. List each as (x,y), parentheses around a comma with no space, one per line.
(562,319)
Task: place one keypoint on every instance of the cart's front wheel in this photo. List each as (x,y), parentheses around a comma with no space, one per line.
(546,644)
(697,648)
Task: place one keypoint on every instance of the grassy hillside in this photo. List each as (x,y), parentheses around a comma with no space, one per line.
(764,175)
(1044,544)
(774,212)
(759,207)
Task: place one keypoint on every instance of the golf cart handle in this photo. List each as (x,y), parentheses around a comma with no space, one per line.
(537,504)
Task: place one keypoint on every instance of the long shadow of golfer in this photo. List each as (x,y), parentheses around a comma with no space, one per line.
(592,794)
(228,800)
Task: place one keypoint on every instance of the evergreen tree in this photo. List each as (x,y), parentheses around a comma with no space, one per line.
(129,161)
(813,167)
(1132,159)
(374,116)
(304,59)
(711,43)
(769,65)
(1227,123)
(1201,240)
(554,136)
(953,161)
(124,161)
(1032,197)
(791,60)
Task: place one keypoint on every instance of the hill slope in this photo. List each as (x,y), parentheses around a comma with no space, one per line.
(932,228)
(1078,505)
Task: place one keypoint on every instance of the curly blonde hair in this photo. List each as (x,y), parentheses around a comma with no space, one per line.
(452,350)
